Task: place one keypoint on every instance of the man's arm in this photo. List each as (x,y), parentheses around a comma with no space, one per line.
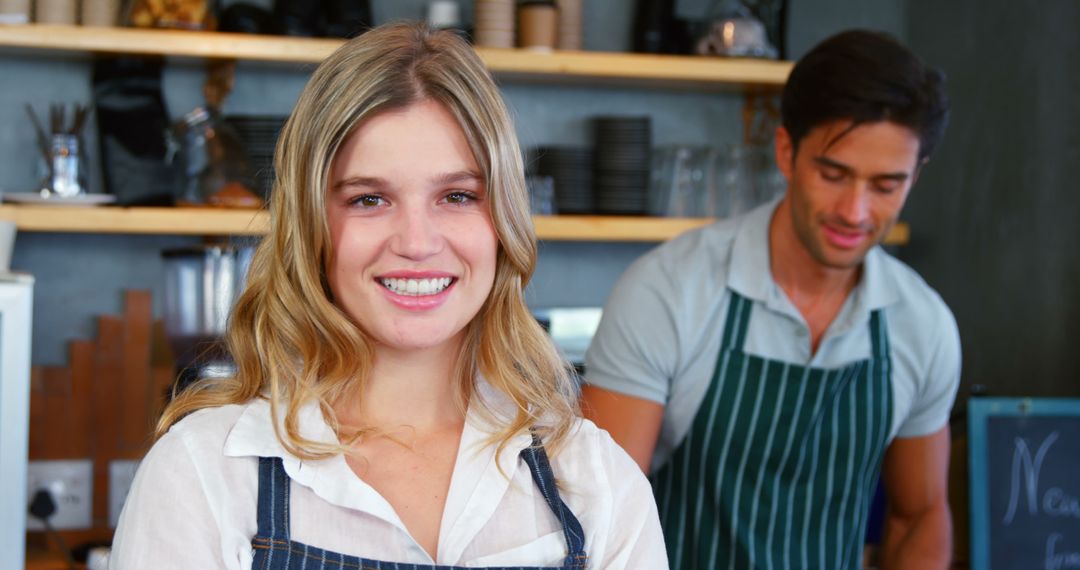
(918,525)
(634,423)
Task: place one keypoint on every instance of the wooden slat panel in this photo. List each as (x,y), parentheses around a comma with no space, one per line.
(134,392)
(162,370)
(56,422)
(38,445)
(82,398)
(108,371)
(102,406)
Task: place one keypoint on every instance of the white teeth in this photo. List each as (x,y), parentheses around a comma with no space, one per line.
(416,287)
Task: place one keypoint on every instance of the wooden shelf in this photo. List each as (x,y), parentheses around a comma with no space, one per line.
(161,221)
(213,221)
(523,65)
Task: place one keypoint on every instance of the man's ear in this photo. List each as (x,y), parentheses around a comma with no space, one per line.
(784,150)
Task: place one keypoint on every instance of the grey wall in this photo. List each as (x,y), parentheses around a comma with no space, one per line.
(80,276)
(994,217)
(810,21)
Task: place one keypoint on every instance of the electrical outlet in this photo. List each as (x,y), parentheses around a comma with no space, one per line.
(121,472)
(71,483)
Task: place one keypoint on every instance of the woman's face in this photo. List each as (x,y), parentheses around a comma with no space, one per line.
(414,248)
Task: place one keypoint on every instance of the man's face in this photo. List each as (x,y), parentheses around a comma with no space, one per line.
(847,192)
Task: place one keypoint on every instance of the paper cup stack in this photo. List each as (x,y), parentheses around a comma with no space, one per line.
(494,23)
(14,11)
(100,12)
(55,11)
(570,24)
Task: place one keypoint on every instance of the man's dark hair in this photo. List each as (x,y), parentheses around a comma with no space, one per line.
(865,77)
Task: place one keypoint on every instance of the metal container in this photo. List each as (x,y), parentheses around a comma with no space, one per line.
(201,285)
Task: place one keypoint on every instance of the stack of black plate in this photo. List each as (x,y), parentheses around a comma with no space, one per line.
(259,135)
(621,164)
(571,169)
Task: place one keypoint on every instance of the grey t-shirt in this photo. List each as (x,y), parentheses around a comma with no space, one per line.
(660,334)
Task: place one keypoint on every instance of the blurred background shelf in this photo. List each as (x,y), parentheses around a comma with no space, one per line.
(513,64)
(213,221)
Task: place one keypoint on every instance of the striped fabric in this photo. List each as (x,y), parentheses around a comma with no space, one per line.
(273,549)
(779,466)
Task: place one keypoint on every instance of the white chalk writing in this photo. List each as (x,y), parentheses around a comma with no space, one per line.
(1030,467)
(1056,560)
(1059,504)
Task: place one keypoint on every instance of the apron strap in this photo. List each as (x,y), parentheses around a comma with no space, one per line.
(737,321)
(879,336)
(540,468)
(273,508)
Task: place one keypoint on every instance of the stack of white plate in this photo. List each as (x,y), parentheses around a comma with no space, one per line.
(494,23)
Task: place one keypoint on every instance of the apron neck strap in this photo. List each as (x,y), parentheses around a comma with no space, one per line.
(540,468)
(737,321)
(273,507)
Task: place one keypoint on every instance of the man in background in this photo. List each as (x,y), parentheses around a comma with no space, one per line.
(764,370)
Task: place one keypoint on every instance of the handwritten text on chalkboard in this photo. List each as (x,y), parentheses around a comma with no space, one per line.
(1035,492)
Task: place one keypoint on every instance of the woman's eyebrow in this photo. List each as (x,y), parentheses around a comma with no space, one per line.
(458,177)
(372,182)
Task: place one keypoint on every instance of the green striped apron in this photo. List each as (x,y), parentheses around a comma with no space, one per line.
(779,466)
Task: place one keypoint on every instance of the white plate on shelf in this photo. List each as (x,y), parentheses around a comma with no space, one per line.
(37,199)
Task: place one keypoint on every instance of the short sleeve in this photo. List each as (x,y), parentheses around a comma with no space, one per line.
(937,390)
(167,521)
(635,539)
(634,350)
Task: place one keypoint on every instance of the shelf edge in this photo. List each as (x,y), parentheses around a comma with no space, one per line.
(225,222)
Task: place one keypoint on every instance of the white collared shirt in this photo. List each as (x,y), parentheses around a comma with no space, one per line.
(193,501)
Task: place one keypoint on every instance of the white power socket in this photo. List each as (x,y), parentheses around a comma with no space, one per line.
(121,473)
(71,483)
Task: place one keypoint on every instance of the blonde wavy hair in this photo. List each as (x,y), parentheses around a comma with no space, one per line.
(293,345)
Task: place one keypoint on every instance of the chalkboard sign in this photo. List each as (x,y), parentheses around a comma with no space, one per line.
(1025,483)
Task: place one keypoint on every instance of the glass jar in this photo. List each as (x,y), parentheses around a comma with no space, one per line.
(213,161)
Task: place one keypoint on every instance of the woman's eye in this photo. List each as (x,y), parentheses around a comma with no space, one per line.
(366,200)
(460,197)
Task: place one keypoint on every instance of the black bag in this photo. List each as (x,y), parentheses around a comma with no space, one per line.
(132,124)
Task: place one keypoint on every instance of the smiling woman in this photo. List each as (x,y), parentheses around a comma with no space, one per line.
(396,405)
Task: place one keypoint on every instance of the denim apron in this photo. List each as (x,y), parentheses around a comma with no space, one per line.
(274,550)
(779,466)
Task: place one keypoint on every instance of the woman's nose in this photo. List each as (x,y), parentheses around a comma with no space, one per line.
(417,234)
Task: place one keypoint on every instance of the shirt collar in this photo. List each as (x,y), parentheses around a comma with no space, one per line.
(479,479)
(253,434)
(750,275)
